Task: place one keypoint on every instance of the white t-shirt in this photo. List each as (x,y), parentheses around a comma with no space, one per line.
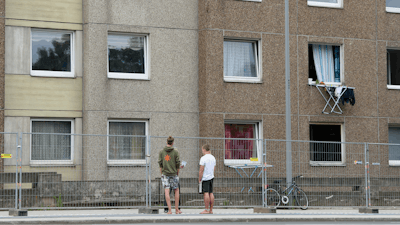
(209,162)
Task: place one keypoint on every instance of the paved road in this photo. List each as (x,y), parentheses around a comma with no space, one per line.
(192,217)
(273,223)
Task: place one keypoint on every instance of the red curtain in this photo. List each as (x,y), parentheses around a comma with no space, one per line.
(239,149)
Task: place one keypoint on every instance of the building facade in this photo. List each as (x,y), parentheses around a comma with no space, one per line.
(193,68)
(246,92)
(153,92)
(43,90)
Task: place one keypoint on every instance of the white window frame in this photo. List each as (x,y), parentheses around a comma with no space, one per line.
(45,73)
(258,58)
(341,66)
(134,76)
(53,162)
(392,162)
(339,4)
(390,86)
(259,144)
(343,149)
(125,162)
(252,0)
(392,9)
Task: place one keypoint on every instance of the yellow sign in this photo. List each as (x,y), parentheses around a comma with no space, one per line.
(253,159)
(6,156)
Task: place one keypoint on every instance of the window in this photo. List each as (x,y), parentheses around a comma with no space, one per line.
(127,56)
(52,141)
(242,150)
(241,61)
(393,6)
(393,68)
(325,63)
(52,53)
(394,150)
(127,142)
(326,3)
(323,148)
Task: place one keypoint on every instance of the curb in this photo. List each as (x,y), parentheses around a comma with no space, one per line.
(202,219)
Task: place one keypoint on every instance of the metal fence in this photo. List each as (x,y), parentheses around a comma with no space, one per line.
(48,170)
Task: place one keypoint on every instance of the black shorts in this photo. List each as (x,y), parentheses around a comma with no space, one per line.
(208,186)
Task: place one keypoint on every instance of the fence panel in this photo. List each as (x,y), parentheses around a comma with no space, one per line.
(237,182)
(330,173)
(83,171)
(9,170)
(384,173)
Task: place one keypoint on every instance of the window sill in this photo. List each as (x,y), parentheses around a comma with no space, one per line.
(126,76)
(233,163)
(52,74)
(394,163)
(393,87)
(314,163)
(235,80)
(52,164)
(126,163)
(325,5)
(392,10)
(251,0)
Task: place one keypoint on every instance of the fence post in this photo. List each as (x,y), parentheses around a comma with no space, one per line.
(20,170)
(16,172)
(264,180)
(149,173)
(367,182)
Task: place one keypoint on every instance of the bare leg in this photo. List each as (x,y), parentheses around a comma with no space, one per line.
(168,200)
(211,202)
(177,211)
(206,202)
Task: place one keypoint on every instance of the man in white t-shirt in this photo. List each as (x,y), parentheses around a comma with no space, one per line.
(206,175)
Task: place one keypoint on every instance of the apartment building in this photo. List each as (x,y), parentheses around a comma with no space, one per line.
(140,78)
(242,74)
(43,84)
(194,68)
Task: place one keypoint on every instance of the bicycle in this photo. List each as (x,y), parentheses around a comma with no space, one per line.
(273,197)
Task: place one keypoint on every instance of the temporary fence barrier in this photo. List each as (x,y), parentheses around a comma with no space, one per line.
(383,175)
(9,170)
(56,170)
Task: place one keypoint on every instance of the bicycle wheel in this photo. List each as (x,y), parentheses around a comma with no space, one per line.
(301,198)
(272,197)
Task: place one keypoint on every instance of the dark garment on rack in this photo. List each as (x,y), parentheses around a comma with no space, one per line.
(348,96)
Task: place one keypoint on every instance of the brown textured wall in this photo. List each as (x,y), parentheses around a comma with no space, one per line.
(364,30)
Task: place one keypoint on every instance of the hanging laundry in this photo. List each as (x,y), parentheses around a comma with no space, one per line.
(348,96)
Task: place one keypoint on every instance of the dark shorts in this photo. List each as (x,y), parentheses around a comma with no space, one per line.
(207,186)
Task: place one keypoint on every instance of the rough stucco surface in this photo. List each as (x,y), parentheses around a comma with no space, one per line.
(168,100)
(364,31)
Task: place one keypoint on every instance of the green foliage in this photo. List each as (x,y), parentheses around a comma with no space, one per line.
(59,202)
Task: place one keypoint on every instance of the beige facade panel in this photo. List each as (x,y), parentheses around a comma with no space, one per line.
(43,24)
(44,113)
(72,173)
(24,92)
(65,11)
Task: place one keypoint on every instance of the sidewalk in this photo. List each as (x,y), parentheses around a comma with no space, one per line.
(106,216)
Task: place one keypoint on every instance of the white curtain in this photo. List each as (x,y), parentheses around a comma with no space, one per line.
(51,146)
(324,63)
(240,59)
(127,147)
